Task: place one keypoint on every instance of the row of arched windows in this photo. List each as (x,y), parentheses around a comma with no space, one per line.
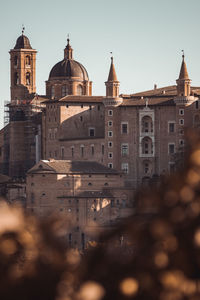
(28,78)
(65,90)
(27,60)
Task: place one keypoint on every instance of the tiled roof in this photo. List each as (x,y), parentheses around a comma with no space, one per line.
(135,101)
(164,91)
(90,194)
(69,167)
(77,99)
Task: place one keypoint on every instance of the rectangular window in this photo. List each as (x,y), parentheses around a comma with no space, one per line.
(124,149)
(181,122)
(82,151)
(92,150)
(102,149)
(62,151)
(181,142)
(110,165)
(125,168)
(171,148)
(110,133)
(110,112)
(72,151)
(171,127)
(110,123)
(110,144)
(181,111)
(91,131)
(124,128)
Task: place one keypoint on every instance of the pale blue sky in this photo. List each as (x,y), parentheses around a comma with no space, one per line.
(146,38)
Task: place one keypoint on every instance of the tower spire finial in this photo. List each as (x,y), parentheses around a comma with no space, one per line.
(68,52)
(23,28)
(183,54)
(111,56)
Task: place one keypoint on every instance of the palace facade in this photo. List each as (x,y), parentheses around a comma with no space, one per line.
(137,136)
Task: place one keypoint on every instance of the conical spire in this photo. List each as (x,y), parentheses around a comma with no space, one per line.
(68,52)
(112,74)
(183,72)
(183,82)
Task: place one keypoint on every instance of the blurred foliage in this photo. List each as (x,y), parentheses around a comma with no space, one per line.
(154,254)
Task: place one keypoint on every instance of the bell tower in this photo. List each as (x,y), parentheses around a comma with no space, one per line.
(22,69)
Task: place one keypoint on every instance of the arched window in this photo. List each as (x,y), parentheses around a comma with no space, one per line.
(28,78)
(15,60)
(28,60)
(52,92)
(16,78)
(79,90)
(64,90)
(147,124)
(147,146)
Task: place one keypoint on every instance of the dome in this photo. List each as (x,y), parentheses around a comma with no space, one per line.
(22,43)
(69,68)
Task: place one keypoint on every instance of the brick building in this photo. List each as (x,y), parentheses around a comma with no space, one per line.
(137,134)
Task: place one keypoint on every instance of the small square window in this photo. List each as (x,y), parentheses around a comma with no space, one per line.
(110,112)
(110,133)
(110,154)
(181,132)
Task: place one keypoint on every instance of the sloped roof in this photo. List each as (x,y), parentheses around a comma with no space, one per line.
(112,74)
(71,167)
(183,72)
(78,99)
(136,101)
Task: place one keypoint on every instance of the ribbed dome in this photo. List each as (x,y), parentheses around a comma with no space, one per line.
(22,43)
(69,68)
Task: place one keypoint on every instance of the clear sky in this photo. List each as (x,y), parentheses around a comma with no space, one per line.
(145,36)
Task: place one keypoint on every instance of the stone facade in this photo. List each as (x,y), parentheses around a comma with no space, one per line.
(90,196)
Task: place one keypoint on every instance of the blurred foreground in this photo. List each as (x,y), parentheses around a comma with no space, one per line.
(154,254)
